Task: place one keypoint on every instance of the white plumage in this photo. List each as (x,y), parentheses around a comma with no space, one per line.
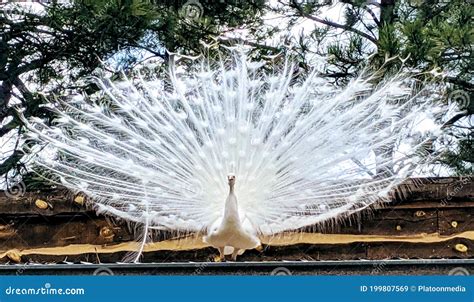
(302,152)
(230,232)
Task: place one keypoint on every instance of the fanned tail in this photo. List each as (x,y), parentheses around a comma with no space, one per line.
(157,152)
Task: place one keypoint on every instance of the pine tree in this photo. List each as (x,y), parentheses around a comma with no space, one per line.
(48,52)
(429,37)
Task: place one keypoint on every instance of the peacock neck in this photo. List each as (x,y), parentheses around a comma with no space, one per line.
(231,213)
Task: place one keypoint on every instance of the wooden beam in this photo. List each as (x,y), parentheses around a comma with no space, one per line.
(286,247)
(429,218)
(58,201)
(444,192)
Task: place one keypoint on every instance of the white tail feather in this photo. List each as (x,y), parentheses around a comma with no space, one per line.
(302,152)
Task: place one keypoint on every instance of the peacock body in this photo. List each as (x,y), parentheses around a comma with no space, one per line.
(300,152)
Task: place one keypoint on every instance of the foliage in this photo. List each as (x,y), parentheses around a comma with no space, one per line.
(47,52)
(50,52)
(430,38)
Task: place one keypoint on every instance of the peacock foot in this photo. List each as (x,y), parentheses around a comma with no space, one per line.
(219,259)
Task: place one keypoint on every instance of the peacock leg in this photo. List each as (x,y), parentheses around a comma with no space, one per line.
(221,256)
(234,254)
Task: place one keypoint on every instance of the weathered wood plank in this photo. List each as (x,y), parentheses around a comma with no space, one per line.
(418,224)
(408,250)
(62,230)
(401,222)
(59,201)
(58,231)
(303,251)
(455,220)
(446,192)
(421,245)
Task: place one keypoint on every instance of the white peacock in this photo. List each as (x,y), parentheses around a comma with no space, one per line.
(286,153)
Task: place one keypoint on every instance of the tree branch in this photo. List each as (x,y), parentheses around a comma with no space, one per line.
(455,118)
(250,43)
(336,25)
(460,82)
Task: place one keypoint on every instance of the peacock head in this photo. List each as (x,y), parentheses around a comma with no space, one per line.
(231,179)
